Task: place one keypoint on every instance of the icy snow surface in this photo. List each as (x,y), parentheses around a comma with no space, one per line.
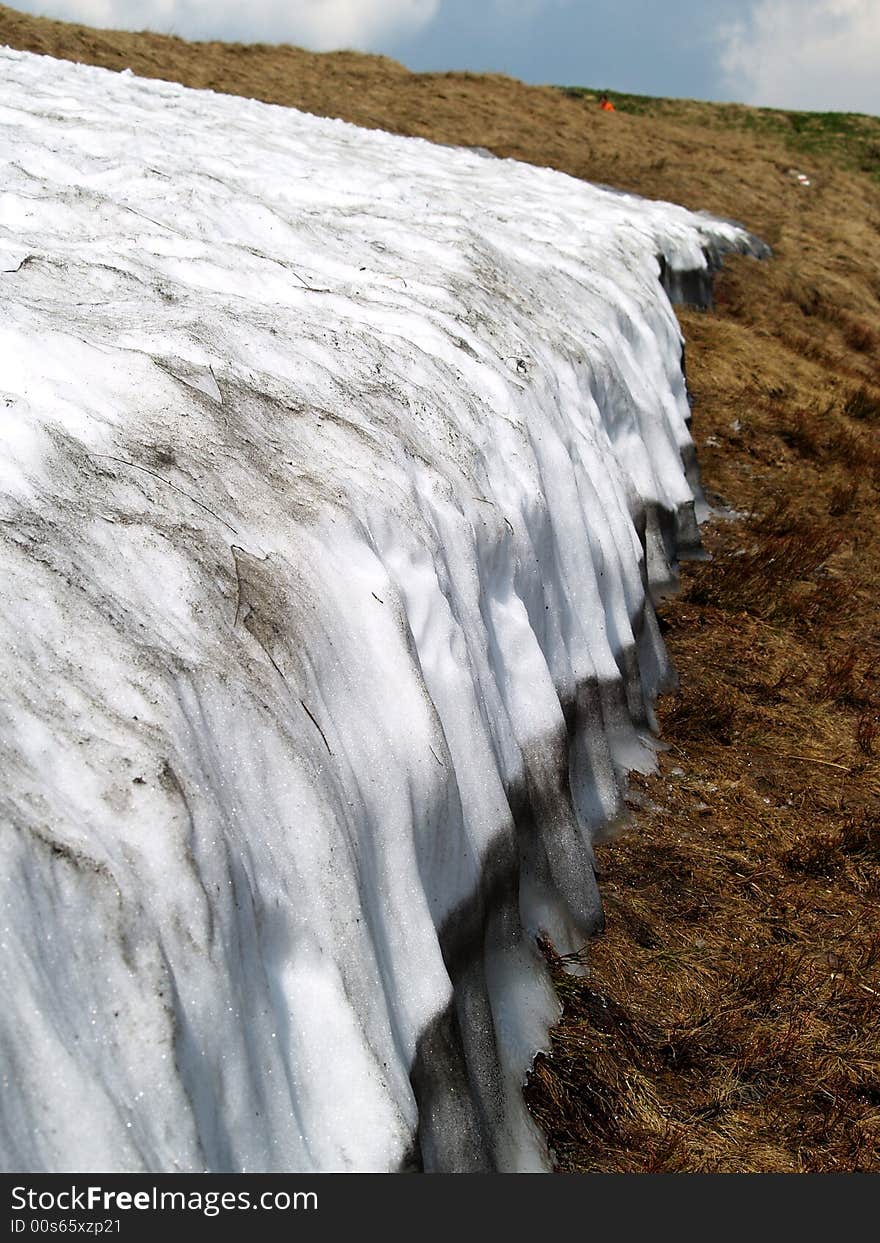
(329,462)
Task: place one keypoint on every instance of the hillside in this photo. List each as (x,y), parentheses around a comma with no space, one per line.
(729,1020)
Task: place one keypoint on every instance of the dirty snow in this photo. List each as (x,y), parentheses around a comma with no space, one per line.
(333,468)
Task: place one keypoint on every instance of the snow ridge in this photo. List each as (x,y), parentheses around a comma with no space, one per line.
(336,473)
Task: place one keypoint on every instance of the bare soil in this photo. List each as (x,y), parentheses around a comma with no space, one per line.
(730,1018)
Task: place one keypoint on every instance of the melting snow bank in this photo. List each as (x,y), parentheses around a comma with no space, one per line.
(335,468)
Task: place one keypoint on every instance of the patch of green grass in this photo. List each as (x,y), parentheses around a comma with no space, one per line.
(851,139)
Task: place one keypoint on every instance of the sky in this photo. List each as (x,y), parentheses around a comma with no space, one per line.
(810,54)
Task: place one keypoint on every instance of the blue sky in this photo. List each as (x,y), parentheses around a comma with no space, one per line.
(817,54)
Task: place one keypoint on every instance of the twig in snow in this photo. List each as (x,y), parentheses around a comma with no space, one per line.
(159,223)
(162,479)
(317,726)
(305,284)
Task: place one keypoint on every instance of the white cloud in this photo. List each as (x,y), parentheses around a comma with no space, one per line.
(317,24)
(813,54)
(526,8)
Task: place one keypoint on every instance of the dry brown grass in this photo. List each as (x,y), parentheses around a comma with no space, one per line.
(730,1018)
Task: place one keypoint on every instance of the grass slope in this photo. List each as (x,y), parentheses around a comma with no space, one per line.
(730,1017)
(851,139)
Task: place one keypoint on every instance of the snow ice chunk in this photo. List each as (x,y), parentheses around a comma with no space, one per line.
(338,471)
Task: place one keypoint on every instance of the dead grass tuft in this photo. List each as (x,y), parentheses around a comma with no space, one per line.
(839,685)
(862,405)
(777,576)
(706,716)
(844,497)
(868,730)
(818,856)
(860,835)
(859,336)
